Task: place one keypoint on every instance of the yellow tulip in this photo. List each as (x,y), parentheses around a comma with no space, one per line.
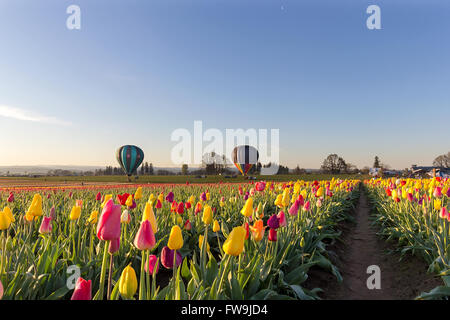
(200,242)
(247,210)
(319,192)
(128,283)
(151,199)
(161,197)
(285,200)
(216,226)
(4,220)
(75,213)
(437,204)
(35,208)
(279,200)
(107,198)
(179,220)
(149,215)
(208,196)
(175,239)
(129,201)
(234,245)
(93,218)
(207,215)
(138,193)
(191,200)
(8,212)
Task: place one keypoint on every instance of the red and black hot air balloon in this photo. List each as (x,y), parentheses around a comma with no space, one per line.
(244,157)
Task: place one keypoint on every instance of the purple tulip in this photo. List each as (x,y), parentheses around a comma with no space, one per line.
(273,222)
(167,258)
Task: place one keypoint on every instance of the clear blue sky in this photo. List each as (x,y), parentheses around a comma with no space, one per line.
(137,70)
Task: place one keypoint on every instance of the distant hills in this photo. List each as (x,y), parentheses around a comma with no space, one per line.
(44,169)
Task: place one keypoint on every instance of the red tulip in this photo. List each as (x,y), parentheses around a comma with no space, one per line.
(272,234)
(98,197)
(187,205)
(145,238)
(82,290)
(11,197)
(180,208)
(108,227)
(158,204)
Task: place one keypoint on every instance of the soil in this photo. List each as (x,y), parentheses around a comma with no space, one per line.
(362,247)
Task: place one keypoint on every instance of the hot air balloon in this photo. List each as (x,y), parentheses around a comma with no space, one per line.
(130,158)
(244,157)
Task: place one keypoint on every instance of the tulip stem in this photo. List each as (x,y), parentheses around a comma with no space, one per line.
(147,275)
(142,277)
(222,276)
(109,276)
(3,253)
(174,268)
(103,272)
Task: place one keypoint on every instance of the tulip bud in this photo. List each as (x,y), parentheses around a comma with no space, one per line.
(282,219)
(108,227)
(151,264)
(82,290)
(4,221)
(98,197)
(175,238)
(216,226)
(273,222)
(75,213)
(234,245)
(207,215)
(145,238)
(272,235)
(52,214)
(188,225)
(167,258)
(128,283)
(46,225)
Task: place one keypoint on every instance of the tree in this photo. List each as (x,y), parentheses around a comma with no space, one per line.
(376,163)
(150,169)
(331,164)
(184,169)
(298,170)
(214,163)
(442,160)
(142,170)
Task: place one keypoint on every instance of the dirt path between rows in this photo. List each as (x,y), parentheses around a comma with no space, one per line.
(361,248)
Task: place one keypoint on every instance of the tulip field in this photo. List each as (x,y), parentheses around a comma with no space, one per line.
(414,212)
(252,240)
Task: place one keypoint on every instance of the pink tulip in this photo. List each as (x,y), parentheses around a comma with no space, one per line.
(437,192)
(282,219)
(293,210)
(114,246)
(82,290)
(98,197)
(167,258)
(410,197)
(46,225)
(444,213)
(307,206)
(52,214)
(108,227)
(152,259)
(158,205)
(145,238)
(1,290)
